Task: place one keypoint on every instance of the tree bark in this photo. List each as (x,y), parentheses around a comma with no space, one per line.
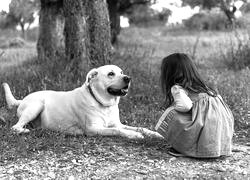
(99,34)
(229,13)
(114,15)
(80,28)
(23,31)
(87,34)
(75,35)
(51,24)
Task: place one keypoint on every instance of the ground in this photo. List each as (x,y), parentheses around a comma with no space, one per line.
(114,158)
(49,155)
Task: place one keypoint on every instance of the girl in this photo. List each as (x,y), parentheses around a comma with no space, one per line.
(198,123)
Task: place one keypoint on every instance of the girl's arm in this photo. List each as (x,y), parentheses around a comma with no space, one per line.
(182,102)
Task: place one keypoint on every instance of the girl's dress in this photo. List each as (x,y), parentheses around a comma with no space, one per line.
(197,125)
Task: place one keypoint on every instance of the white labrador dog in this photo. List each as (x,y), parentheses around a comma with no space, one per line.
(91,109)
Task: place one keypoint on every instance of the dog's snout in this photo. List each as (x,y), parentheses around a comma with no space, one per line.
(126,79)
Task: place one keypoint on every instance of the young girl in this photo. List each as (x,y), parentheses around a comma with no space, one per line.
(197,122)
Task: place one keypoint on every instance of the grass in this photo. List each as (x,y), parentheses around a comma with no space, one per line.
(207,48)
(16,56)
(140,56)
(139,53)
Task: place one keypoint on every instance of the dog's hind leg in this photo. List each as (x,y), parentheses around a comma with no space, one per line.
(27,114)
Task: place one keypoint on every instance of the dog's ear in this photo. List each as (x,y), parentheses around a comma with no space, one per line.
(91,74)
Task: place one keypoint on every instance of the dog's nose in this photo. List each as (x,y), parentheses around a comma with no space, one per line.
(126,79)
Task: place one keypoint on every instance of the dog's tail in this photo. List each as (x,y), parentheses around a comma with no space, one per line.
(10,99)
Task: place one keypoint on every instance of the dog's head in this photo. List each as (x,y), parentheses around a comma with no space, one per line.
(108,83)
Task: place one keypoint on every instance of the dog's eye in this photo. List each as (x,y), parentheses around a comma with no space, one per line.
(121,72)
(111,74)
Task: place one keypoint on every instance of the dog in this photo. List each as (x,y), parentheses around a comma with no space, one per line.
(91,109)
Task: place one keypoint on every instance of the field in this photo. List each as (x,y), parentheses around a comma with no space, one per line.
(45,154)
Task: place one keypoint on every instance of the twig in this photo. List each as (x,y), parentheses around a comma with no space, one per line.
(195,47)
(2,53)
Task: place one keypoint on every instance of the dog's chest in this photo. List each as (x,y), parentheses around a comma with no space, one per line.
(110,117)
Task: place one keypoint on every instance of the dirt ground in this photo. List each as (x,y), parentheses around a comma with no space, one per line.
(116,158)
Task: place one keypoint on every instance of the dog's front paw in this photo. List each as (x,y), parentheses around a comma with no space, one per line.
(151,134)
(19,130)
(134,135)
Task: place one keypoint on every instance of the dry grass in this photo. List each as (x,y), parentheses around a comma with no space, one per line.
(139,53)
(16,56)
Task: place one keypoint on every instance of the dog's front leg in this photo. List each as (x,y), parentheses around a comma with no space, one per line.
(115,131)
(145,131)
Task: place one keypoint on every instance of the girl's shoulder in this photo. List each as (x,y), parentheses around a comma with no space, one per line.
(197,97)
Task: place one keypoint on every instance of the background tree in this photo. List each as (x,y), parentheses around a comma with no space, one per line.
(80,28)
(99,32)
(225,5)
(144,15)
(117,8)
(3,16)
(245,8)
(50,42)
(164,14)
(141,15)
(21,12)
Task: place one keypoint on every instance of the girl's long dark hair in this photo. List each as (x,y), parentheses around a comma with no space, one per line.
(178,69)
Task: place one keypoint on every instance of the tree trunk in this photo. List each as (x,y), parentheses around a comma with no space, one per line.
(229,13)
(23,30)
(98,32)
(51,24)
(75,35)
(80,27)
(87,34)
(114,16)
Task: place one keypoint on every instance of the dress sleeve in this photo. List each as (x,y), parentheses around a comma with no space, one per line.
(182,102)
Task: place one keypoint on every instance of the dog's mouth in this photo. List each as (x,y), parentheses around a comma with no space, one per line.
(118,92)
